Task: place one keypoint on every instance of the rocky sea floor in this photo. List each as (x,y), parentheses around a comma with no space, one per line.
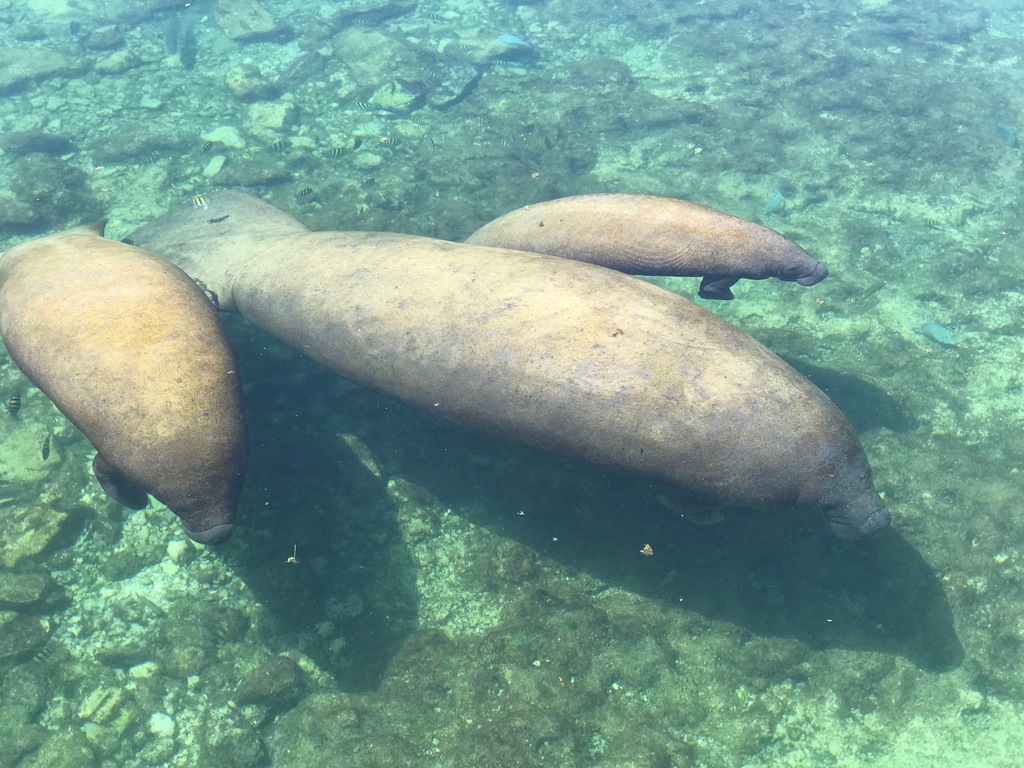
(461,602)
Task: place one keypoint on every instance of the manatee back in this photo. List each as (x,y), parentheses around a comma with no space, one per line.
(560,355)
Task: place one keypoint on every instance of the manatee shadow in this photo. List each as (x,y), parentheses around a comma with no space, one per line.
(351,602)
(771,574)
(866,405)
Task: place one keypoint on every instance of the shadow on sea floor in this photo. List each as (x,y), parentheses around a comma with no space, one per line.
(355,600)
(768,575)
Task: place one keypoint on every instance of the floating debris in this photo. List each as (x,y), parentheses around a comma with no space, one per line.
(200,202)
(46,448)
(14,404)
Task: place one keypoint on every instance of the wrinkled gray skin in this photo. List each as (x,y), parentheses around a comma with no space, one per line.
(554,353)
(132,352)
(650,235)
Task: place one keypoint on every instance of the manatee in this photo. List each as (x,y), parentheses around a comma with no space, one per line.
(650,235)
(557,354)
(131,350)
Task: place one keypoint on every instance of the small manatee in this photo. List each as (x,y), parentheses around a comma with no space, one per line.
(652,235)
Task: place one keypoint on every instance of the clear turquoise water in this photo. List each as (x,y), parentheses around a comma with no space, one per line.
(462,602)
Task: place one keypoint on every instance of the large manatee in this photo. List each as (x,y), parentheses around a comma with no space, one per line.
(558,354)
(130,349)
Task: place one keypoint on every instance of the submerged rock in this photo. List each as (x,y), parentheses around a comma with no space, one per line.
(21,637)
(18,589)
(313,734)
(27,531)
(247,21)
(398,97)
(229,741)
(370,12)
(21,65)
(277,684)
(105,38)
(453,83)
(57,192)
(63,749)
(27,142)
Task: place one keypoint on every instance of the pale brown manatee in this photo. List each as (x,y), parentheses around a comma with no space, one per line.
(129,348)
(558,354)
(649,235)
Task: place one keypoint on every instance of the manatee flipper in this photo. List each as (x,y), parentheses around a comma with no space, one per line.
(117,486)
(652,235)
(131,351)
(717,287)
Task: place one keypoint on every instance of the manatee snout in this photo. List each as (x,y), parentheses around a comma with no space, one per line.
(847,523)
(217,534)
(791,263)
(818,273)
